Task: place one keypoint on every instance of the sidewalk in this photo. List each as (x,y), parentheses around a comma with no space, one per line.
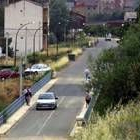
(21,112)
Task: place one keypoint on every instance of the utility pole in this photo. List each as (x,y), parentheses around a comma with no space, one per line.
(26,46)
(7,37)
(48,26)
(20,69)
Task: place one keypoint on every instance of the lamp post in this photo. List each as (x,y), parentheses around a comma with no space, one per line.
(104,25)
(25,46)
(34,42)
(7,37)
(16,40)
(48,26)
(65,32)
(57,41)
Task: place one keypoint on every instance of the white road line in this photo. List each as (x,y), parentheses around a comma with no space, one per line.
(39,131)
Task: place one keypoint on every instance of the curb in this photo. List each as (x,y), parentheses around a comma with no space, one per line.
(76,128)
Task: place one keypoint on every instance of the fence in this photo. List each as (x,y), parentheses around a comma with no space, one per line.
(13,107)
(84,117)
(90,107)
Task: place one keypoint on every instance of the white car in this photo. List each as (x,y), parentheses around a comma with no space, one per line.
(108,37)
(37,68)
(47,100)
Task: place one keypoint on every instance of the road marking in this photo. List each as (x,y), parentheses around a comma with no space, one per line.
(39,131)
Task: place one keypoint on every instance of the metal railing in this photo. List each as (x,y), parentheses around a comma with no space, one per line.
(90,107)
(14,106)
(84,119)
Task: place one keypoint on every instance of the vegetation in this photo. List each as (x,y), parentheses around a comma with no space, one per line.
(116,125)
(59,16)
(102,30)
(116,72)
(106,17)
(1,20)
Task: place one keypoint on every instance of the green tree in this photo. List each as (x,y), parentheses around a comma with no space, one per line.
(59,16)
(1,21)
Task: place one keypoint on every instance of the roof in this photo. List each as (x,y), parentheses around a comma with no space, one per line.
(71,1)
(91,3)
(31,1)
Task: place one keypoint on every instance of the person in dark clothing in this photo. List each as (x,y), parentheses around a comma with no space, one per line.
(28,95)
(87,99)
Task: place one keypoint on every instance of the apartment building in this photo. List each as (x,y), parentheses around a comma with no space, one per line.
(26,24)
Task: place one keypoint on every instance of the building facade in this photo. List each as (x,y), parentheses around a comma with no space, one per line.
(22,19)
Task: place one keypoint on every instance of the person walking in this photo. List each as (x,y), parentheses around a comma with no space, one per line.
(87,99)
(28,95)
(87,73)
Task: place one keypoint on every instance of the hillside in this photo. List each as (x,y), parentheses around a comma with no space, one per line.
(116,125)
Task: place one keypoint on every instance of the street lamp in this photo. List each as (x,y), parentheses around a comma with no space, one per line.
(57,41)
(34,42)
(7,37)
(65,31)
(48,26)
(16,40)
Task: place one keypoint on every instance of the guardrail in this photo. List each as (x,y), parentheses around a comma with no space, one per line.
(85,116)
(14,106)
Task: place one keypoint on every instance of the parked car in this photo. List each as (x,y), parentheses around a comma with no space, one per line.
(37,68)
(47,100)
(8,73)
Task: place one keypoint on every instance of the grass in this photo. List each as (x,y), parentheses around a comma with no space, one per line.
(119,124)
(57,65)
(63,61)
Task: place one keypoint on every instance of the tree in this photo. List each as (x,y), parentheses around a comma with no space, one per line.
(59,16)
(1,21)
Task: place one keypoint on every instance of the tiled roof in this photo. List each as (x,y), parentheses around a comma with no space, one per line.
(87,2)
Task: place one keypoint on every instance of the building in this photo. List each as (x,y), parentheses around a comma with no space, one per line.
(86,8)
(130,16)
(110,6)
(70,4)
(129,5)
(24,21)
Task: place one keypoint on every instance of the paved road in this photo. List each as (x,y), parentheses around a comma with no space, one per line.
(59,123)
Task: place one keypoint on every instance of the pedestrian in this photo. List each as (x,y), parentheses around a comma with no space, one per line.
(87,73)
(87,99)
(28,94)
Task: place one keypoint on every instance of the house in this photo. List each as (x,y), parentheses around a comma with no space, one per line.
(70,4)
(86,8)
(26,22)
(130,16)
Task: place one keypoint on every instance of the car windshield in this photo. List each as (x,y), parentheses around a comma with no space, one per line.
(39,66)
(35,67)
(46,96)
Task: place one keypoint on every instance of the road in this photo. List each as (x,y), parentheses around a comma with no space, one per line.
(37,125)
